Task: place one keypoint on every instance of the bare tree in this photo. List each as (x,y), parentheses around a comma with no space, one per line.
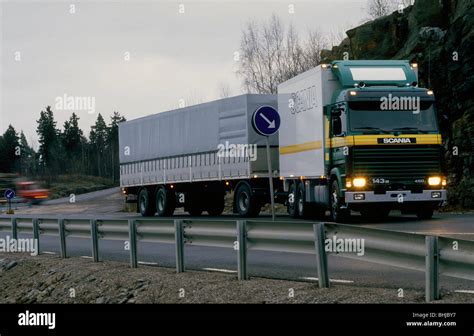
(337,34)
(271,54)
(224,90)
(193,97)
(379,8)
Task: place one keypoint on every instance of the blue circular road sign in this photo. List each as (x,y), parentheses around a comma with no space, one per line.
(266,120)
(9,194)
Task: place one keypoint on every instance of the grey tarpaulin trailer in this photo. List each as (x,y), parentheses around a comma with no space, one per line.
(196,153)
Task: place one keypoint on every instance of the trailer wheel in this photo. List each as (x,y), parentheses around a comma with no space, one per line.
(292,202)
(337,213)
(246,203)
(165,202)
(425,213)
(216,204)
(146,206)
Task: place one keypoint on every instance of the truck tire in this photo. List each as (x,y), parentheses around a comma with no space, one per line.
(216,204)
(338,214)
(425,213)
(246,203)
(146,206)
(291,205)
(165,202)
(305,209)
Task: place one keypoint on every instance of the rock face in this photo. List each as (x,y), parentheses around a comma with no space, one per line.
(439,36)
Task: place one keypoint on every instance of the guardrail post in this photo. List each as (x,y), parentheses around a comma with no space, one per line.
(132,231)
(95,240)
(321,257)
(179,241)
(62,238)
(242,252)
(36,233)
(14,229)
(432,269)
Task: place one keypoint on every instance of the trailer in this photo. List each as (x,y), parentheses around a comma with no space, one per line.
(191,156)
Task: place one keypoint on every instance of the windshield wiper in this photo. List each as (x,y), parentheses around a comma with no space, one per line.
(374,129)
(409,129)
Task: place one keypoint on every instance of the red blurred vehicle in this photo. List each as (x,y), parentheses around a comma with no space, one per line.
(31,191)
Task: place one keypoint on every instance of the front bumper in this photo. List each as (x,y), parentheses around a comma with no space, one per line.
(396,196)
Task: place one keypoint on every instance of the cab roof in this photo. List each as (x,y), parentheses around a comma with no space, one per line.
(375,73)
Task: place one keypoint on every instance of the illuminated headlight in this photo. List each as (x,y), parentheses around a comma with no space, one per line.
(436,194)
(435,180)
(359,197)
(359,182)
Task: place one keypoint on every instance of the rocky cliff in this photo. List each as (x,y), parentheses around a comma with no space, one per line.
(439,36)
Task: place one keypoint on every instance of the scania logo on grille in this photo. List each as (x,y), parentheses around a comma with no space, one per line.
(396,140)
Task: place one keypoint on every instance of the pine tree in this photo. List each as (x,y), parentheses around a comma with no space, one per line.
(98,139)
(49,150)
(10,151)
(72,143)
(114,145)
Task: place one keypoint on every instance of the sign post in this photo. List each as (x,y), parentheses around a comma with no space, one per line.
(266,121)
(9,195)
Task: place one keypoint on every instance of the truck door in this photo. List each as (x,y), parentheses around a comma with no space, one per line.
(338,127)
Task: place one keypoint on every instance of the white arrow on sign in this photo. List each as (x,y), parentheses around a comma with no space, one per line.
(271,124)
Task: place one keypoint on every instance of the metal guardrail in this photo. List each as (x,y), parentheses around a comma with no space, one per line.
(430,254)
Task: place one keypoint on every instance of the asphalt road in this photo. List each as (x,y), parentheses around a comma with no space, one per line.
(282,265)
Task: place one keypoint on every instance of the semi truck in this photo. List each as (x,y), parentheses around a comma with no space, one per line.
(355,136)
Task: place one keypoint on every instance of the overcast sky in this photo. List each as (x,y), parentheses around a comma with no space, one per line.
(47,52)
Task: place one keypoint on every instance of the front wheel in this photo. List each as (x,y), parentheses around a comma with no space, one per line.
(338,214)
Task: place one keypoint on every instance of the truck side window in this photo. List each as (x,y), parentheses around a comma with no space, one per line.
(336,121)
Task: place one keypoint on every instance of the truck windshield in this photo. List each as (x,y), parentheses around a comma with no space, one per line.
(369,117)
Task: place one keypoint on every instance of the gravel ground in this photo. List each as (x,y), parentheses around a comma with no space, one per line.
(49,279)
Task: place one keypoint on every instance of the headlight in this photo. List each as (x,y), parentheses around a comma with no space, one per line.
(435,180)
(359,182)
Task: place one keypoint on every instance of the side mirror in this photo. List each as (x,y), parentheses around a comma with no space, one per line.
(336,111)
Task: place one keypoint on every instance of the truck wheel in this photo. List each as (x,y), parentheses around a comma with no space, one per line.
(424,213)
(146,206)
(165,202)
(292,202)
(337,214)
(245,202)
(216,205)
(305,210)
